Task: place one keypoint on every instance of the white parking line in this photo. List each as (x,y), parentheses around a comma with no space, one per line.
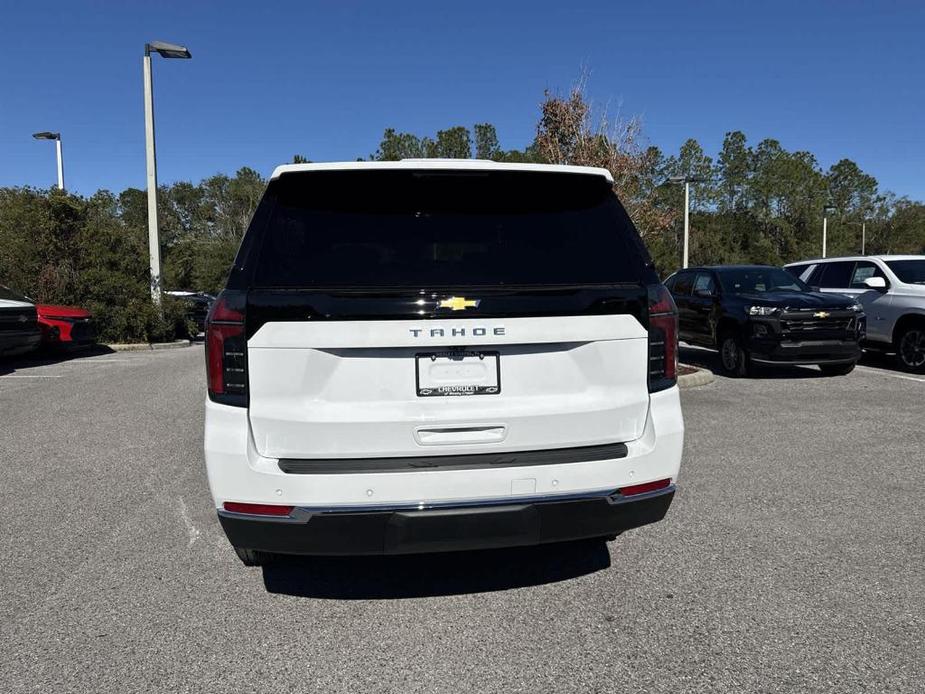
(96,361)
(882,372)
(32,376)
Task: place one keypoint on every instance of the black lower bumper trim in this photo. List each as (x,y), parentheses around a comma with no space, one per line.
(470,461)
(441,530)
(814,352)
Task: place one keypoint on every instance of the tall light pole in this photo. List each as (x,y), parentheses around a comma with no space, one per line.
(166,50)
(863,225)
(45,135)
(686,180)
(825,225)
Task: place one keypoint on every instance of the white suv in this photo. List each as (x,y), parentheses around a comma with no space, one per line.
(439,355)
(891,288)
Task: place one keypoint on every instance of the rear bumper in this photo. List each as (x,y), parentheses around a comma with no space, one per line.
(445,506)
(409,531)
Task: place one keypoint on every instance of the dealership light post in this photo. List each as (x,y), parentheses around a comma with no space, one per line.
(166,50)
(825,225)
(686,180)
(57,138)
(863,225)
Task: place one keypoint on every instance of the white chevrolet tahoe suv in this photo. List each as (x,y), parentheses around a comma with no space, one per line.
(439,355)
(891,288)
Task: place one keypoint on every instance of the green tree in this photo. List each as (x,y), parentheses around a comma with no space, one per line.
(396,146)
(733,169)
(486,141)
(851,191)
(452,143)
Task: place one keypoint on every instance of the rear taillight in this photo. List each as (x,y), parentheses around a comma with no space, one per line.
(663,339)
(226,349)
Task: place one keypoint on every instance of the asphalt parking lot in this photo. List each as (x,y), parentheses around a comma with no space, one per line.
(792,559)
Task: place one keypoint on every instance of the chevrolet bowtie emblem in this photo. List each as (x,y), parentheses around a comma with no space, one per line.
(459,303)
(821,314)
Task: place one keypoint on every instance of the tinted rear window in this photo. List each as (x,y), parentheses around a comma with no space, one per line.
(752,280)
(682,286)
(7,293)
(909,271)
(837,275)
(429,229)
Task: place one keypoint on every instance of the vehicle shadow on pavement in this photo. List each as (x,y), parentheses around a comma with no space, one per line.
(882,360)
(708,359)
(429,575)
(48,357)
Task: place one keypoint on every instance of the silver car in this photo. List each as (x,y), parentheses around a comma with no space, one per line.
(891,288)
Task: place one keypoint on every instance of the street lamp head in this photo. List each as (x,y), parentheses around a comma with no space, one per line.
(686,179)
(167,50)
(46,135)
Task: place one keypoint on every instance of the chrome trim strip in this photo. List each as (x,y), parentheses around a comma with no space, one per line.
(610,494)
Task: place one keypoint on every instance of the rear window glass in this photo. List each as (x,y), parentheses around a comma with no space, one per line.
(704,282)
(758,280)
(429,229)
(815,276)
(909,271)
(7,293)
(682,286)
(862,271)
(837,275)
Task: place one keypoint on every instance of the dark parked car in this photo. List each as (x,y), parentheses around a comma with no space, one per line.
(756,314)
(19,328)
(197,306)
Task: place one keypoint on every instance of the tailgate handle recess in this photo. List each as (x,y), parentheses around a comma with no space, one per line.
(450,435)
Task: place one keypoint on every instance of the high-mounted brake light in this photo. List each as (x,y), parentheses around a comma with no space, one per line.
(257,509)
(226,350)
(663,339)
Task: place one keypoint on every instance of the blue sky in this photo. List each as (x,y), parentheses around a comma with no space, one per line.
(323,79)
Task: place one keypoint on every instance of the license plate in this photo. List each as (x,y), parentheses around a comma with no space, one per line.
(457,373)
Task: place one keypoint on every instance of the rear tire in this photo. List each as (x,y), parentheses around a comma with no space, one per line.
(836,369)
(910,349)
(733,356)
(251,557)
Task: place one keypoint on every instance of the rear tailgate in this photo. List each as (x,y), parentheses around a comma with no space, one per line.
(354,388)
(424,313)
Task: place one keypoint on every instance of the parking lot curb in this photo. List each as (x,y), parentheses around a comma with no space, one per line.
(144,346)
(700,377)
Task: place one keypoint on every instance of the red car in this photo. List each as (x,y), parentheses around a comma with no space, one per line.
(65,326)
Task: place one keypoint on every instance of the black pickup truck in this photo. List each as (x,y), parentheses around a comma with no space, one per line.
(757,314)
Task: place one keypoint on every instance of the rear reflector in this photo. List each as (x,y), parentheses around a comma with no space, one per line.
(634,489)
(257,509)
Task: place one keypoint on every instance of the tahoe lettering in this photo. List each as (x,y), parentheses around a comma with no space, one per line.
(497,331)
